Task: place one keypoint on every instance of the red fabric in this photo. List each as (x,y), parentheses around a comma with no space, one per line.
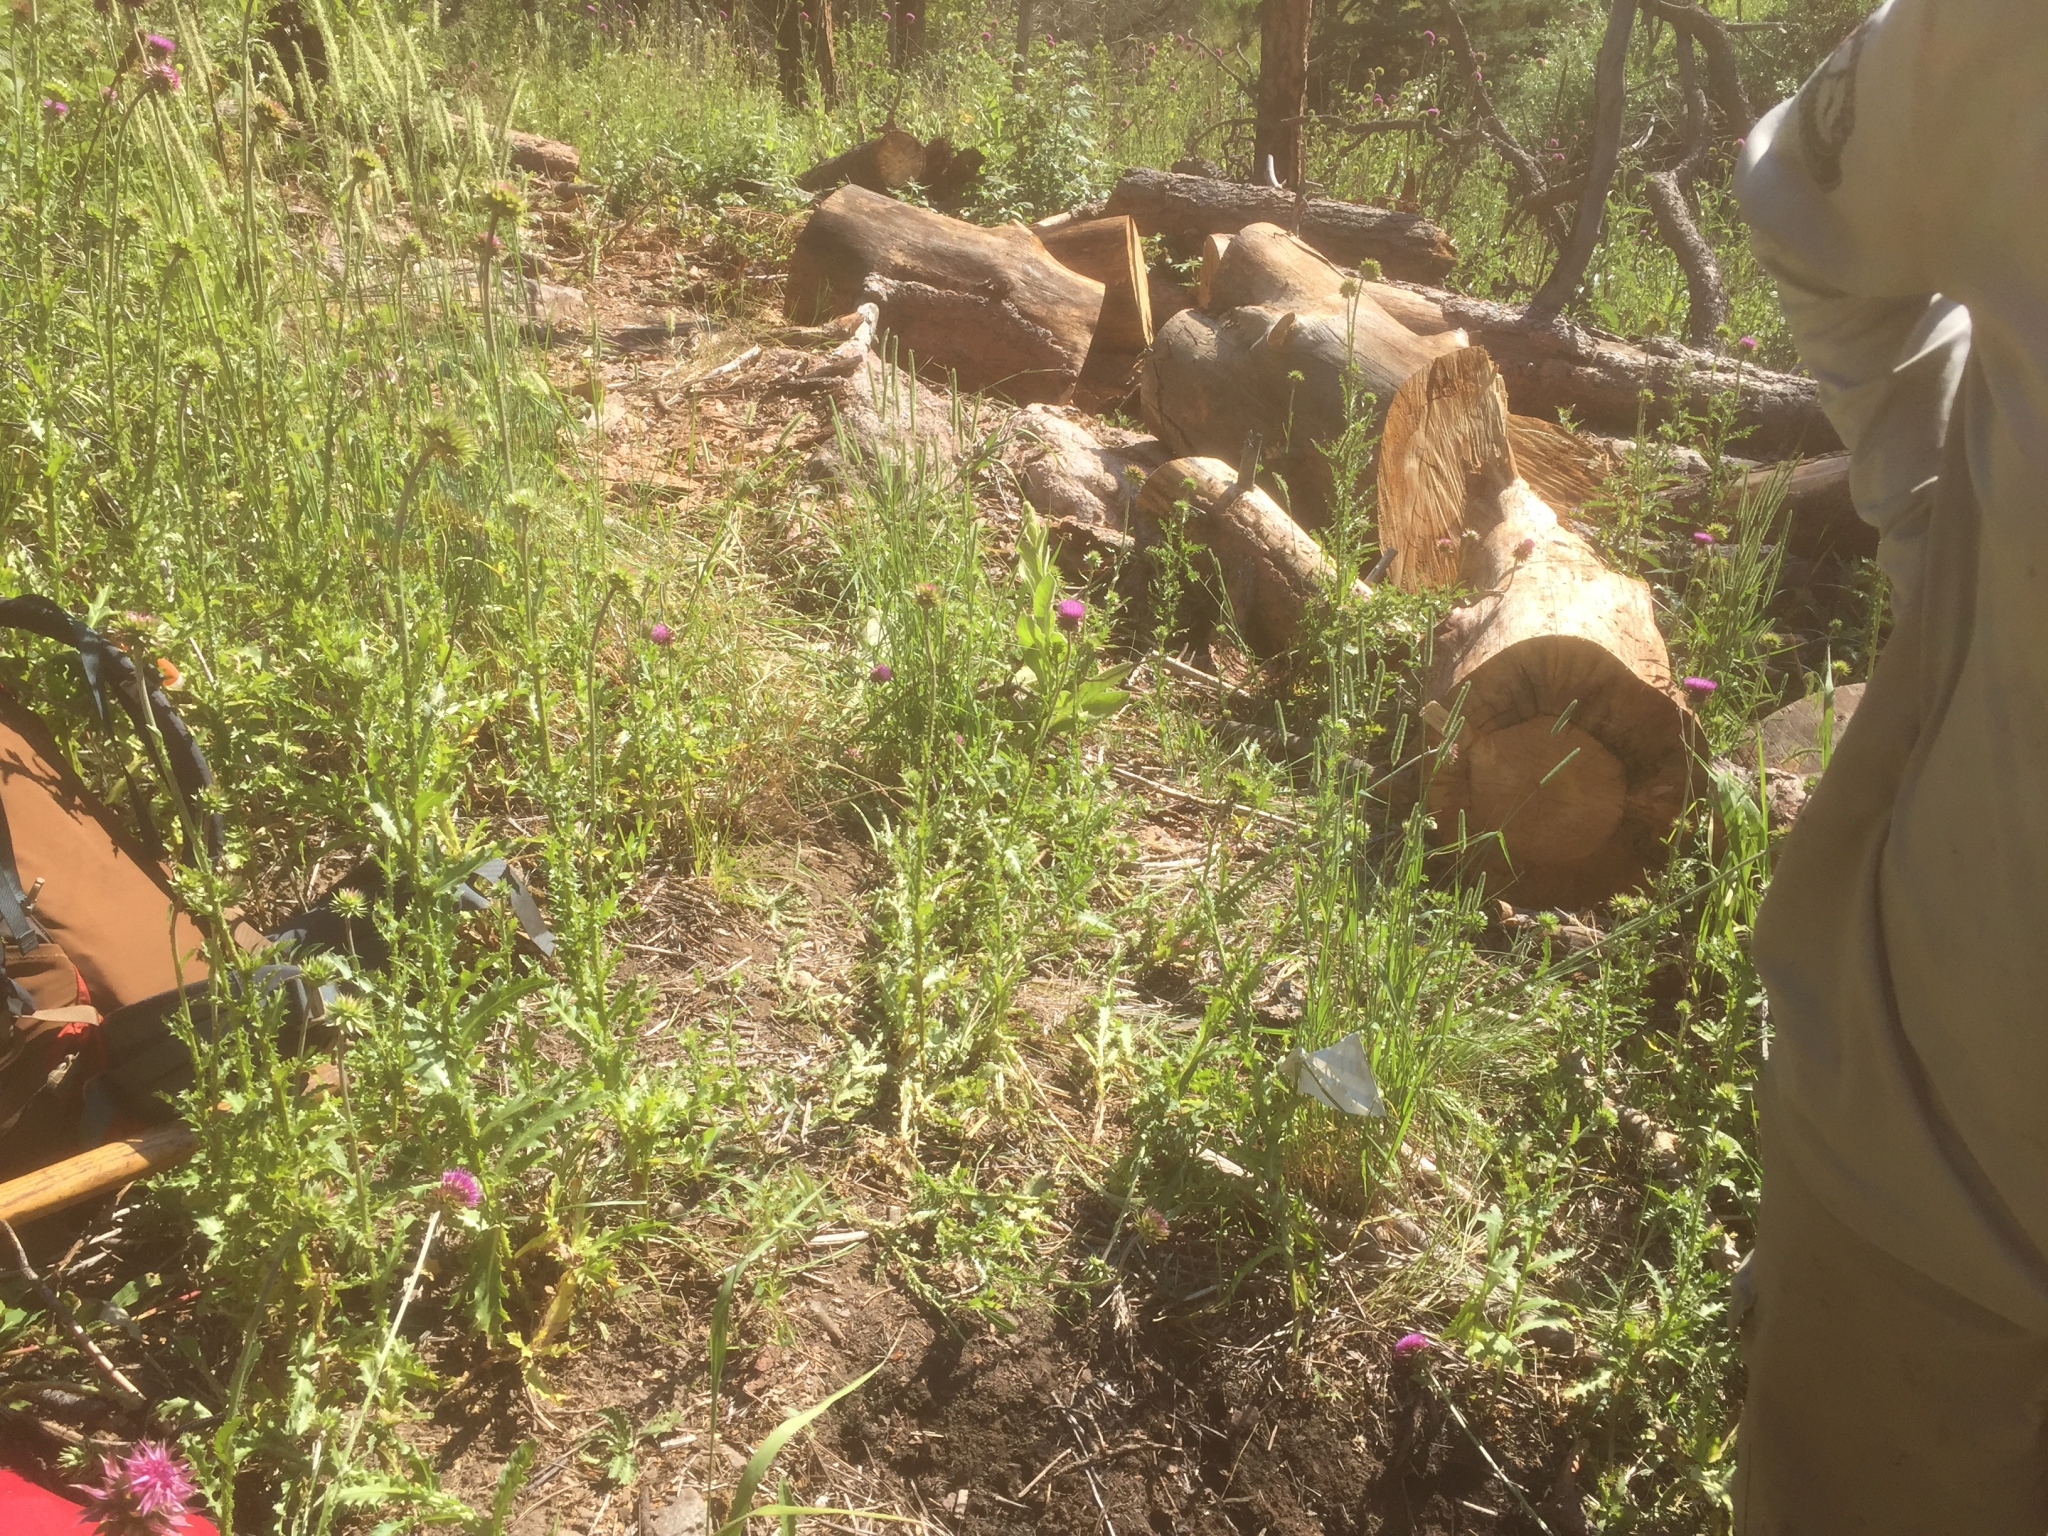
(26,1510)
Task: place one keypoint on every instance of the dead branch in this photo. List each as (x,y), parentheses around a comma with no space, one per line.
(1610,92)
(1724,77)
(1528,170)
(1670,196)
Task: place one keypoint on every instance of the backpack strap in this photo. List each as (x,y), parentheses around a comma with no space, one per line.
(109,669)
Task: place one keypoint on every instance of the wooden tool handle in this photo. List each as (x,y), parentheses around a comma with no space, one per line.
(93,1173)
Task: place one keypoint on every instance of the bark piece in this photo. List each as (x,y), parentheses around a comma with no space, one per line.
(1075,476)
(1108,251)
(1277,132)
(987,305)
(1185,208)
(1789,739)
(1574,746)
(890,160)
(1271,570)
(1210,379)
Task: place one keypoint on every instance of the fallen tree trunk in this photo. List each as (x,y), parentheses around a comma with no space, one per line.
(1108,251)
(1185,208)
(1573,750)
(988,305)
(890,160)
(1820,515)
(1601,380)
(1270,570)
(1210,379)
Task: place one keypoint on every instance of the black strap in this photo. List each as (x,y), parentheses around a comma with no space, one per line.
(110,670)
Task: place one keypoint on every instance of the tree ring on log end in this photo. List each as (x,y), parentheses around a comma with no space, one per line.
(1554,793)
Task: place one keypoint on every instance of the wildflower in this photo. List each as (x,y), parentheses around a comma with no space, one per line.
(910,18)
(1558,157)
(445,441)
(1070,611)
(1525,549)
(881,672)
(1409,1345)
(55,111)
(1378,100)
(158,47)
(1152,1224)
(1701,536)
(986,35)
(148,1492)
(1700,687)
(168,671)
(458,1186)
(1429,38)
(109,94)
(489,246)
(927,594)
(1431,112)
(1446,543)
(661,634)
(161,79)
(504,204)
(363,166)
(1748,343)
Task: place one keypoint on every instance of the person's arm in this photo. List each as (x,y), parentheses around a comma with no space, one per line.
(1834,186)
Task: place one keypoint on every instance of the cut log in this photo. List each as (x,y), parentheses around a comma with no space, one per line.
(532,153)
(1600,379)
(890,160)
(1210,379)
(1564,468)
(1185,208)
(1072,476)
(1213,248)
(1108,251)
(1270,569)
(990,306)
(1820,515)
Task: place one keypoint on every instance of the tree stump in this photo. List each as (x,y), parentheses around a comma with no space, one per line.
(890,160)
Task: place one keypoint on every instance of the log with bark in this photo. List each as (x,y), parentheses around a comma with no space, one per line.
(1269,569)
(1820,515)
(1558,366)
(1282,373)
(1185,208)
(890,160)
(1108,251)
(1271,266)
(1573,750)
(989,306)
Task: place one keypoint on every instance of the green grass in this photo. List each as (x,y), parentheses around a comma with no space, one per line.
(266,408)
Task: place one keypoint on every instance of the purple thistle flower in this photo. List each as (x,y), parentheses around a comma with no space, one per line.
(1558,156)
(158,47)
(660,634)
(55,111)
(986,35)
(148,1492)
(459,1186)
(1432,112)
(1525,549)
(489,246)
(1409,1345)
(161,79)
(881,672)
(1701,536)
(1748,343)
(1700,687)
(1069,612)
(1429,38)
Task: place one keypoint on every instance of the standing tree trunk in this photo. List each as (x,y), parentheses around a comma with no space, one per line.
(825,52)
(1027,17)
(789,51)
(1283,90)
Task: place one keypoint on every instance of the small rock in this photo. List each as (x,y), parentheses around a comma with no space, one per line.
(686,1515)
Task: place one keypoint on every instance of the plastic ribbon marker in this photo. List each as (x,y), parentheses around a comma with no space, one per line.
(1337,1075)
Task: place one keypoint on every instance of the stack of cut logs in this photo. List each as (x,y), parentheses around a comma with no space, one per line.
(1566,747)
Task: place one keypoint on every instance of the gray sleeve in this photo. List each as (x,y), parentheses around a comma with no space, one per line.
(1828,224)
